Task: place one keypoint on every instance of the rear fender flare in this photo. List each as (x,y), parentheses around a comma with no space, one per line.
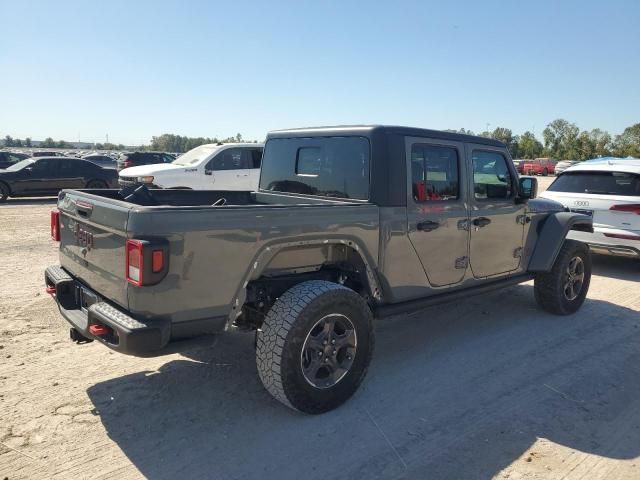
(269,252)
(552,234)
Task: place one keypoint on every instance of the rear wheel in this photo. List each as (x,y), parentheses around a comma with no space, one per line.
(96,184)
(4,192)
(562,290)
(545,172)
(315,345)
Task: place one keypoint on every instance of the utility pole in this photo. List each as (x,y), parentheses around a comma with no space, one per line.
(107,137)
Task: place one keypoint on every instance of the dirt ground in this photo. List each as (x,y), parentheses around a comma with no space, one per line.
(488,388)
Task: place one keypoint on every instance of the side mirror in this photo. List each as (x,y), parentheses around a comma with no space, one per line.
(208,172)
(28,169)
(528,187)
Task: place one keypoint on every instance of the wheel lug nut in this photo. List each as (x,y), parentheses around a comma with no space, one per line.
(319,354)
(333,342)
(326,359)
(324,342)
(334,352)
(348,357)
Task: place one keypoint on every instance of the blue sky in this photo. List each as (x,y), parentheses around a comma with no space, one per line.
(133,69)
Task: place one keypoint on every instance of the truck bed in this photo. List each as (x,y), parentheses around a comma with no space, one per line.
(212,249)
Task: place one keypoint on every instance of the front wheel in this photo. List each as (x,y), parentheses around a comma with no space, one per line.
(563,290)
(315,346)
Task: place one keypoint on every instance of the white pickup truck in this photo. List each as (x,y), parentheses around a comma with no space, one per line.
(224,166)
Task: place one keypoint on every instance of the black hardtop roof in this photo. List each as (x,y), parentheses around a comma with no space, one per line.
(370,130)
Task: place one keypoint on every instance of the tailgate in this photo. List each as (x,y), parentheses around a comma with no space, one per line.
(92,242)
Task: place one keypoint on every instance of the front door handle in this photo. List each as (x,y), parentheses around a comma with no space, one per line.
(481,222)
(427,226)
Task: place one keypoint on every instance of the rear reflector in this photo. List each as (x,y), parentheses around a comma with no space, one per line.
(55,225)
(51,290)
(134,262)
(622,236)
(629,208)
(157,261)
(99,330)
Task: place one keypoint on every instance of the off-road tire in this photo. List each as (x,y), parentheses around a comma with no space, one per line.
(96,184)
(549,286)
(4,192)
(284,331)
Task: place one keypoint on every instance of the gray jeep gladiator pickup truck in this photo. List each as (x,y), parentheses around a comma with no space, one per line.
(348,224)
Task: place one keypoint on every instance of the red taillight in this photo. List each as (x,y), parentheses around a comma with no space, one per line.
(628,207)
(51,289)
(134,258)
(55,225)
(127,163)
(157,261)
(622,236)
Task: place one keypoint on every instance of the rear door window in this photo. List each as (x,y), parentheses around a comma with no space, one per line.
(598,183)
(434,171)
(256,158)
(325,166)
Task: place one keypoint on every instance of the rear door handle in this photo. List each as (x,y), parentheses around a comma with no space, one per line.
(481,222)
(427,226)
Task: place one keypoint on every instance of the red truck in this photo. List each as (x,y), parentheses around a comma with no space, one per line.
(538,166)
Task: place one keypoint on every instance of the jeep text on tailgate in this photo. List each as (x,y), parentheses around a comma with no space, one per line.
(348,224)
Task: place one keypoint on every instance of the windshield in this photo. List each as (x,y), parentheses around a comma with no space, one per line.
(20,165)
(195,155)
(597,183)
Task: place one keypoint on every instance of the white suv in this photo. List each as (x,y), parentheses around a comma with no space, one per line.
(228,166)
(610,192)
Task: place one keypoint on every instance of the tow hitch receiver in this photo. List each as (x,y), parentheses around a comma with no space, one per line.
(78,338)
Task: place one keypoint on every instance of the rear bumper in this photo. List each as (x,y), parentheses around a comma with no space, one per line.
(599,243)
(82,308)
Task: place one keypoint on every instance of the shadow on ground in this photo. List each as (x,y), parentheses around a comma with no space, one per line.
(622,268)
(453,392)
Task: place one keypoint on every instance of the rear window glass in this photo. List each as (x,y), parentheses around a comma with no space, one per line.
(598,183)
(329,166)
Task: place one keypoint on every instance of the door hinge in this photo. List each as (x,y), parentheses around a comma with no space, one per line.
(517,253)
(463,224)
(523,219)
(462,262)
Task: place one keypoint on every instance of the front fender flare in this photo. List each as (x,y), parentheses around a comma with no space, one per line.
(552,234)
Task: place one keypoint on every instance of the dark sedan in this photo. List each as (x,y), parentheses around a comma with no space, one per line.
(48,175)
(9,158)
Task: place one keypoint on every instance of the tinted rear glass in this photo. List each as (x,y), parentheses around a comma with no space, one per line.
(328,166)
(599,183)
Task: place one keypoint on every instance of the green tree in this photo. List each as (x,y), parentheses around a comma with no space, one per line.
(529,146)
(627,144)
(27,142)
(8,141)
(48,143)
(561,140)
